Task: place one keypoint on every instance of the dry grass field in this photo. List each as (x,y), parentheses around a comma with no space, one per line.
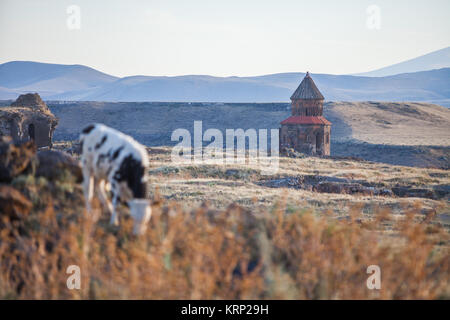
(228,232)
(243,184)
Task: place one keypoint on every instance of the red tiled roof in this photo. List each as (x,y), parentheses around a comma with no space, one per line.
(306,120)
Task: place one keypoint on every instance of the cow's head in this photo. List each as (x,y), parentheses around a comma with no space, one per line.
(140,211)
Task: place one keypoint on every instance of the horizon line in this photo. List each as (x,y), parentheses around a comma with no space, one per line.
(357,74)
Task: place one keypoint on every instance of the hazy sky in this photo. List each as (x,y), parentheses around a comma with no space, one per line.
(227,37)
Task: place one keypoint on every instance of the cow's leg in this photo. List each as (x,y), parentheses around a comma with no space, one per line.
(103,197)
(88,188)
(115,201)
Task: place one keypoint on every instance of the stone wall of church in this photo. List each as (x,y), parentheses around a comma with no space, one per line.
(308,139)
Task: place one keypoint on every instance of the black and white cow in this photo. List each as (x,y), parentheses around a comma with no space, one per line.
(114,161)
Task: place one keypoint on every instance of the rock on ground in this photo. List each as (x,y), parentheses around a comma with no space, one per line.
(53,163)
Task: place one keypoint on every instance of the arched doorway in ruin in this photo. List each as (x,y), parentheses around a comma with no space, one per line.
(31,132)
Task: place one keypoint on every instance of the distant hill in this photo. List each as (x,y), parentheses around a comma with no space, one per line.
(387,132)
(48,79)
(80,83)
(390,123)
(435,60)
(152,123)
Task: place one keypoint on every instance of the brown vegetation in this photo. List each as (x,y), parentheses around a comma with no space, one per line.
(278,250)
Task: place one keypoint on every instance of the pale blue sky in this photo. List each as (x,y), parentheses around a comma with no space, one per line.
(222,38)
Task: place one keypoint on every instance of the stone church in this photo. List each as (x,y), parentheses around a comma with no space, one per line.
(306,130)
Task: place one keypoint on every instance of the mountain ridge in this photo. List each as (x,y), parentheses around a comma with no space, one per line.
(82,83)
(26,76)
(433,60)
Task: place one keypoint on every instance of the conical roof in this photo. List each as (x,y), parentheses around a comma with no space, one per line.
(307,90)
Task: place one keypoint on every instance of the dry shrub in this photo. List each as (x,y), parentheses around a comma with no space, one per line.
(228,254)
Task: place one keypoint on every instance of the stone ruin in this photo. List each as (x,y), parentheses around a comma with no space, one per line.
(28,118)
